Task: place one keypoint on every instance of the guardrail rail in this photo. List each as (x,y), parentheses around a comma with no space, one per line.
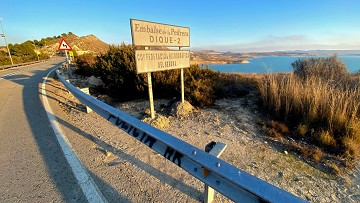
(230,181)
(19,64)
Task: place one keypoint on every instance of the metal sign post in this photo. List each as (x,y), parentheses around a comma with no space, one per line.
(182,83)
(145,33)
(65,47)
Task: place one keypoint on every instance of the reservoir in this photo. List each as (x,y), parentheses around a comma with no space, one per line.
(273,64)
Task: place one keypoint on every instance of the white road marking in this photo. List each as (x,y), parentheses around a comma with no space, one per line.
(88,186)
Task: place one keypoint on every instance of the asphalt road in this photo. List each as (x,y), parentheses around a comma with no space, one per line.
(32,165)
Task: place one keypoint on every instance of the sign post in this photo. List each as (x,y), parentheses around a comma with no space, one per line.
(150,34)
(65,47)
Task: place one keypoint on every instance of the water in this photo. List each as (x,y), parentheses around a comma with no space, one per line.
(272,64)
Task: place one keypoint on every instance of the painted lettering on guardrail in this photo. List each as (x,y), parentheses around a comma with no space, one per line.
(138,134)
(170,153)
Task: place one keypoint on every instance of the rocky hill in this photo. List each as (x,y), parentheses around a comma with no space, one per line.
(84,44)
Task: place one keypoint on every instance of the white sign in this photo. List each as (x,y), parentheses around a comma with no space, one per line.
(146,33)
(158,60)
(64,45)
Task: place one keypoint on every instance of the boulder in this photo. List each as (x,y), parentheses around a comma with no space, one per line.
(93,81)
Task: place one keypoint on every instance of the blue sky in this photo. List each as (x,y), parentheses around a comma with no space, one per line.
(224,25)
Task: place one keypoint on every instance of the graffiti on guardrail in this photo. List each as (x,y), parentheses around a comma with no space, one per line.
(170,153)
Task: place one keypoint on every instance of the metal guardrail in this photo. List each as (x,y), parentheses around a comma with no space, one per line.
(230,181)
(19,64)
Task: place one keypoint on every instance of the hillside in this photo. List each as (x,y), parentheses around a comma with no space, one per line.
(84,44)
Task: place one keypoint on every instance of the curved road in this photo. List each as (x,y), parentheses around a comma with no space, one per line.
(33,167)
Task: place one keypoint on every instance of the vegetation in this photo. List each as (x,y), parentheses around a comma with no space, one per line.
(117,70)
(320,101)
(26,51)
(21,53)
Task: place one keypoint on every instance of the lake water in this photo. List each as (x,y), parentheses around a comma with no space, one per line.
(272,64)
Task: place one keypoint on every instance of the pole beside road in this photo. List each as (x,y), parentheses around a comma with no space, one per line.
(7,46)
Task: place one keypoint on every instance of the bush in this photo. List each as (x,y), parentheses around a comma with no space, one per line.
(200,84)
(85,65)
(166,84)
(118,71)
(327,69)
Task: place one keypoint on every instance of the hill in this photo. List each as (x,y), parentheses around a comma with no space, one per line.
(47,47)
(84,44)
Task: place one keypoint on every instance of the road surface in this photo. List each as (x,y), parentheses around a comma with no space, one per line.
(33,168)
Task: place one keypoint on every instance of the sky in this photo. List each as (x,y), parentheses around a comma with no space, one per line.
(223,25)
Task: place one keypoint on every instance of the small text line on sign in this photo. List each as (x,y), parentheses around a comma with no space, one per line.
(146,33)
(155,60)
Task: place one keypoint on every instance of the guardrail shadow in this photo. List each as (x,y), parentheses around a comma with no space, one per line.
(56,165)
(161,176)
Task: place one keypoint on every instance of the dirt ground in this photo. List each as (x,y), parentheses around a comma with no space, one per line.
(127,171)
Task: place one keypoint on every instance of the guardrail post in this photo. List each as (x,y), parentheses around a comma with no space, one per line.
(86,91)
(216,149)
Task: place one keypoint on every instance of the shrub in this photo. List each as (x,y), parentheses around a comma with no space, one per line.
(166,84)
(199,85)
(301,129)
(85,65)
(328,69)
(118,72)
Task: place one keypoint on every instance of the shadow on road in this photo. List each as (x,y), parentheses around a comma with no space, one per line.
(57,167)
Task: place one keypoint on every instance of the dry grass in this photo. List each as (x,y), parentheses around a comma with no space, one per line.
(324,112)
(276,129)
(313,153)
(334,169)
(326,139)
(301,129)
(316,155)
(351,146)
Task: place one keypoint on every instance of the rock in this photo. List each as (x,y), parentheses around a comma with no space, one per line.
(239,118)
(181,110)
(93,81)
(296,179)
(147,112)
(160,122)
(280,174)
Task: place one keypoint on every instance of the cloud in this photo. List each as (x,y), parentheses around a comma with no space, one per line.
(273,39)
